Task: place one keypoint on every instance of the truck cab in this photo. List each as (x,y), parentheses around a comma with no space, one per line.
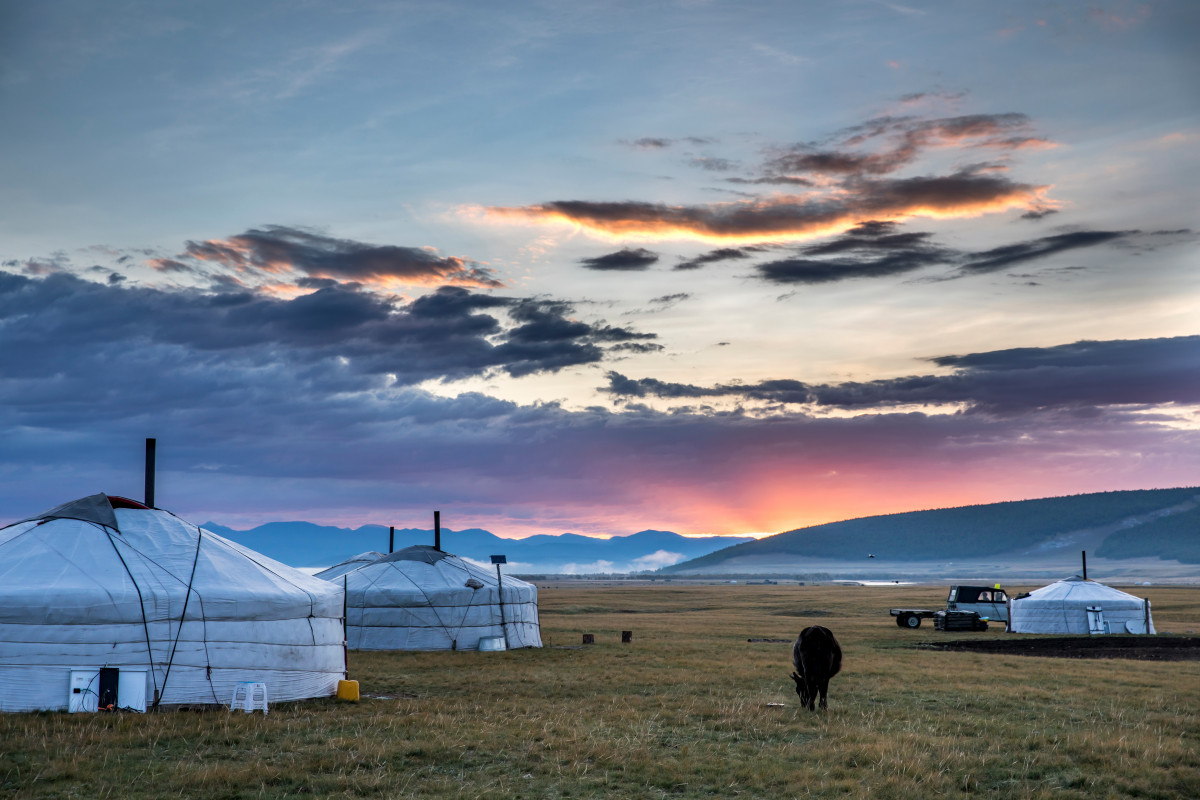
(988,603)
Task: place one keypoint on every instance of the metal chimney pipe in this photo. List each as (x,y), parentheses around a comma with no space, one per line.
(1084,564)
(391,538)
(150,445)
(437,530)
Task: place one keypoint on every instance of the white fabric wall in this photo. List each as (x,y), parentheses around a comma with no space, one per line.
(400,603)
(69,599)
(1062,607)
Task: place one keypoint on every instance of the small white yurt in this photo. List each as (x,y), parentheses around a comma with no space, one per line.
(421,598)
(104,600)
(349,565)
(1076,605)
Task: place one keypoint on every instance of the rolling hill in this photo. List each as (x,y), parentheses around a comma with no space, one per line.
(1129,532)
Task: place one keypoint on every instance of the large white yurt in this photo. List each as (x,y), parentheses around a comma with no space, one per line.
(105,590)
(421,598)
(1076,605)
(349,565)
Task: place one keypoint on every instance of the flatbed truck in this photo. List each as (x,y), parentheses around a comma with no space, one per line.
(990,603)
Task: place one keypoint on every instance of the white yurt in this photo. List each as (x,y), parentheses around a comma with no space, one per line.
(421,598)
(1077,605)
(106,601)
(349,565)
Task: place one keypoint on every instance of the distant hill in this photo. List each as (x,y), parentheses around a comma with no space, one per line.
(1159,524)
(304,544)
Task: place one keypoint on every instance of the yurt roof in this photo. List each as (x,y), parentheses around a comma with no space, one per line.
(349,565)
(1079,590)
(95,552)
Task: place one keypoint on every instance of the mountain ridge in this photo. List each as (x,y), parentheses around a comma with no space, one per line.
(306,544)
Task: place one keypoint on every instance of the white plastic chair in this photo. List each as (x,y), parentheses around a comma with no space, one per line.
(249,696)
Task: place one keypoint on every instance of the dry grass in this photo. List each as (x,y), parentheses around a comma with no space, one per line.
(682,712)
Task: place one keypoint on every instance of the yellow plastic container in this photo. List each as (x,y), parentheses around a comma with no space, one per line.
(348,690)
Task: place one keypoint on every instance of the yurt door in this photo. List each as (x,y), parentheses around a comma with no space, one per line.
(1096,624)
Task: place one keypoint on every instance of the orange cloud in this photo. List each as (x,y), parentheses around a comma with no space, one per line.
(280,251)
(787,217)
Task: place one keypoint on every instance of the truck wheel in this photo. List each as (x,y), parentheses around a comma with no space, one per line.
(902,620)
(912,621)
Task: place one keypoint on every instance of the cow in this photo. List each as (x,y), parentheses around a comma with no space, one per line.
(817,658)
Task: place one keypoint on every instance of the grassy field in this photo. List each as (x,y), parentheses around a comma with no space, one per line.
(682,712)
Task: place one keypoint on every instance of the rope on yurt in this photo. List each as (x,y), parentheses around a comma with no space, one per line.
(182,617)
(142,605)
(462,566)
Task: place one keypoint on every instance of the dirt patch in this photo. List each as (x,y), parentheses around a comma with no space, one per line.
(1141,648)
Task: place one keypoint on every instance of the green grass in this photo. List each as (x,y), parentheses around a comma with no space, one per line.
(681,713)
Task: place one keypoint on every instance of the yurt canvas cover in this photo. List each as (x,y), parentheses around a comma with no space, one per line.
(1075,605)
(421,598)
(349,565)
(87,586)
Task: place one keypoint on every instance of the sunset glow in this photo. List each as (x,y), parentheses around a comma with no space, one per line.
(705,267)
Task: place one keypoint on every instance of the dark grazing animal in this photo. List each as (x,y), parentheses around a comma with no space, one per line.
(817,657)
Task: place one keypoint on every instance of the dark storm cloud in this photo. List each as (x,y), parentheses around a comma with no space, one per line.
(277,250)
(1080,378)
(1039,213)
(69,338)
(622,260)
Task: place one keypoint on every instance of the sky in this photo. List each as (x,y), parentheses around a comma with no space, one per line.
(701,266)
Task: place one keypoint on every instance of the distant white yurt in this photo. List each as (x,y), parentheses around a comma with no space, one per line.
(421,598)
(1075,605)
(349,565)
(104,590)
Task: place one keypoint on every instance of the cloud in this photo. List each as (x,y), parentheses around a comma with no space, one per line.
(279,251)
(713,164)
(1080,377)
(900,141)
(68,336)
(1008,255)
(875,249)
(788,217)
(773,180)
(661,143)
(851,177)
(622,260)
(871,249)
(719,255)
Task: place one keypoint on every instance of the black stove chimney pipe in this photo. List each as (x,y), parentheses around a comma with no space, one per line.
(392,539)
(437,530)
(1084,564)
(150,445)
